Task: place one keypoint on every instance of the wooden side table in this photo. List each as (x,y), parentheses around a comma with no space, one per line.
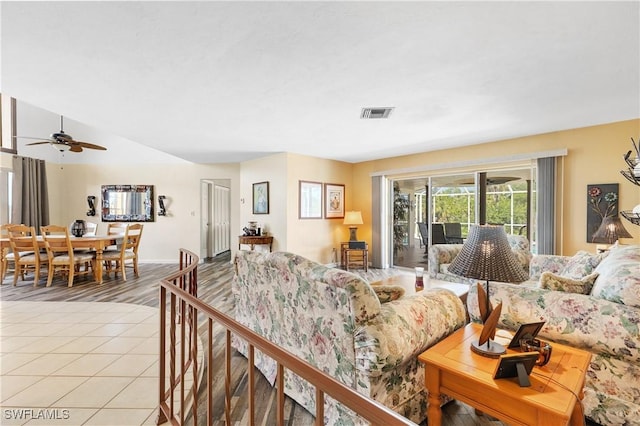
(254,240)
(354,257)
(451,368)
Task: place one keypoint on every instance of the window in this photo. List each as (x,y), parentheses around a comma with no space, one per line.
(6,181)
(8,124)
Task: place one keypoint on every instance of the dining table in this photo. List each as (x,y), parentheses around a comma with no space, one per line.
(96,242)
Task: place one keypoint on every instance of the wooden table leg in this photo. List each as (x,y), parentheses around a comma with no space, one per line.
(99,251)
(432,381)
(577,415)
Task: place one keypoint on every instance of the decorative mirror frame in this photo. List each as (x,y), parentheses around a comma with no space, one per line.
(110,216)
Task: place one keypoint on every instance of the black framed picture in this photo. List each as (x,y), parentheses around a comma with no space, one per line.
(525,331)
(516,365)
(261,198)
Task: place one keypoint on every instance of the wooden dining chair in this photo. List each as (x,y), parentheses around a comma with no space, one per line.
(26,252)
(7,254)
(116,228)
(61,255)
(128,252)
(90,228)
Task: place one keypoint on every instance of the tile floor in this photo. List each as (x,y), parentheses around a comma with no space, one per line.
(78,363)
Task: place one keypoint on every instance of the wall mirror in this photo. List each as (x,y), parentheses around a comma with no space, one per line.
(127,203)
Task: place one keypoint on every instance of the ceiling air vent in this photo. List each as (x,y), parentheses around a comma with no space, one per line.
(375,112)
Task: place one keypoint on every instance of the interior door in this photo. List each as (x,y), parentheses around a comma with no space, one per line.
(221,219)
(205,220)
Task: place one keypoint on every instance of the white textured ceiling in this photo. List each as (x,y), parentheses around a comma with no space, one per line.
(228,81)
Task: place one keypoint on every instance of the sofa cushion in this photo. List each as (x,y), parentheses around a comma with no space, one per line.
(580,265)
(520,247)
(619,279)
(552,281)
(388,293)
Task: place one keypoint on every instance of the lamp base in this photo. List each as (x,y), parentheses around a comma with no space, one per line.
(489,349)
(352,233)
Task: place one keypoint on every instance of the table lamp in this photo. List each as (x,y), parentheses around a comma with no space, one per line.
(353,218)
(486,255)
(610,230)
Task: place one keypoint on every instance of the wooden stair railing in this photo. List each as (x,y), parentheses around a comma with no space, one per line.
(179,310)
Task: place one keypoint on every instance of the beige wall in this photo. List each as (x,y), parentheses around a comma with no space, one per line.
(69,186)
(595,155)
(311,238)
(272,169)
(315,238)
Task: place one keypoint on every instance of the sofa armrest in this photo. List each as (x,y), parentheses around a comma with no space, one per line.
(441,254)
(577,320)
(405,328)
(546,262)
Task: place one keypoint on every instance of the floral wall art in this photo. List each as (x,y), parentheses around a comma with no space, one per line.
(602,201)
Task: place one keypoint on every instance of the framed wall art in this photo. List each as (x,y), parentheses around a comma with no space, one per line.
(310,200)
(602,201)
(333,201)
(261,198)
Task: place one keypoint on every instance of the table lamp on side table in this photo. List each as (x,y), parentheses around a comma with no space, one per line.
(353,218)
(486,255)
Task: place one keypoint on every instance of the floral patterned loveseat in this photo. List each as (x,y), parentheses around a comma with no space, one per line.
(334,320)
(605,322)
(441,255)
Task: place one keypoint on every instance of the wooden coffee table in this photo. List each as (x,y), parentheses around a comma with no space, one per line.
(452,369)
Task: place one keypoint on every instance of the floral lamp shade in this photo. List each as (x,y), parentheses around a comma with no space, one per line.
(602,202)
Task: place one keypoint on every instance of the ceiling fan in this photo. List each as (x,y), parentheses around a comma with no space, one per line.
(63,141)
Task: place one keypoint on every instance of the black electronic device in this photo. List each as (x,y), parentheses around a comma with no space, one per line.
(516,365)
(525,331)
(358,245)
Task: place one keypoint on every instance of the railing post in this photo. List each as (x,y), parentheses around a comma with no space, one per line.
(162,417)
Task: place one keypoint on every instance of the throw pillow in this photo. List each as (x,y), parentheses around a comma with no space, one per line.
(619,279)
(580,265)
(388,293)
(551,281)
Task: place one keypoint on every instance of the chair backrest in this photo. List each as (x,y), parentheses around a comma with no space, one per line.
(116,229)
(437,234)
(22,239)
(90,228)
(4,229)
(132,236)
(424,233)
(453,229)
(56,241)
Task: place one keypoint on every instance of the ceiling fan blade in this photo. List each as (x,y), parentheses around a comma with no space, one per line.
(89,145)
(28,137)
(39,143)
(75,148)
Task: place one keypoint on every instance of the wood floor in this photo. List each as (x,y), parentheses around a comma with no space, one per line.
(214,279)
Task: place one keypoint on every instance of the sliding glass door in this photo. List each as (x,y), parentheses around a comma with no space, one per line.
(440,209)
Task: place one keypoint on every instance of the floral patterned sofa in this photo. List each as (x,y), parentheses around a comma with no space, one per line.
(334,320)
(441,255)
(604,321)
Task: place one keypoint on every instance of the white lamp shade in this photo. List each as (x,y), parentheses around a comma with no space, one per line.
(353,218)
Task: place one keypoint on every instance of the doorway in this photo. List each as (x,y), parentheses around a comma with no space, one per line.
(215,217)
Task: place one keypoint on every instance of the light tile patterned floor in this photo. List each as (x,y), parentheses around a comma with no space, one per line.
(78,363)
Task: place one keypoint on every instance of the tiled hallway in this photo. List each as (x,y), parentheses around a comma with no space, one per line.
(78,363)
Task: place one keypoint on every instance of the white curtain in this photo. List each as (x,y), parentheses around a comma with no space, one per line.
(30,203)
